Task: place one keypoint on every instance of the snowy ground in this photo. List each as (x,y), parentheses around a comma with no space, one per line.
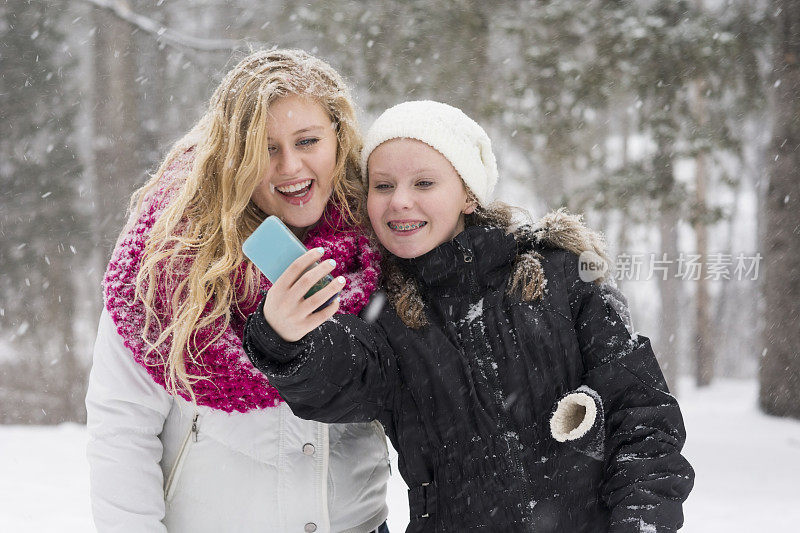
(747,464)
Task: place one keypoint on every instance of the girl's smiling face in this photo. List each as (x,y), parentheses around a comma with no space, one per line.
(302,159)
(416,199)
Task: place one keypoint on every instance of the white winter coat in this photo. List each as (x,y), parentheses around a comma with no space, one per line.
(158,462)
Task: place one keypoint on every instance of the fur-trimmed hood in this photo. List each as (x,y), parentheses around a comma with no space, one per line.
(567,231)
(557,229)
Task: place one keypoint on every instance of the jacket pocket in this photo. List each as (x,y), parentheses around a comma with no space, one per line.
(177,466)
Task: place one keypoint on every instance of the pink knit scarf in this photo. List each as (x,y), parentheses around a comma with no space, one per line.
(233,384)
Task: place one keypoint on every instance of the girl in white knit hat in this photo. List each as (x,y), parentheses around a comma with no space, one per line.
(503,372)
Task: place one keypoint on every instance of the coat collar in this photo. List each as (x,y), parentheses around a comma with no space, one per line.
(483,251)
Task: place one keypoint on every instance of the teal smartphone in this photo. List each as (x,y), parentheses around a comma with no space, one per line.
(273,247)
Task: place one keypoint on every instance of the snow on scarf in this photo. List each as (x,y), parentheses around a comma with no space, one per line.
(233,384)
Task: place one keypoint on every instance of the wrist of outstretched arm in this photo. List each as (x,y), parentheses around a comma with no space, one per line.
(263,345)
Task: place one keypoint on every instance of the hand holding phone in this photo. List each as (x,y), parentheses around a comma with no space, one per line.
(303,293)
(287,309)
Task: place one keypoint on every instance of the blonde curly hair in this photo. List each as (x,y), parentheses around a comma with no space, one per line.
(201,230)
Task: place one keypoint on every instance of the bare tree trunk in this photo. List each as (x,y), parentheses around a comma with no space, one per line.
(669,288)
(115,126)
(702,347)
(703,351)
(780,365)
(474,97)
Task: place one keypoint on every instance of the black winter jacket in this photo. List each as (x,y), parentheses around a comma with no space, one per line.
(466,400)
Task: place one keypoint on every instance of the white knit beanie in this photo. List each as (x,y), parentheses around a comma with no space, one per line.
(448,130)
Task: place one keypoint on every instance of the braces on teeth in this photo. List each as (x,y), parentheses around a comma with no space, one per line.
(406,227)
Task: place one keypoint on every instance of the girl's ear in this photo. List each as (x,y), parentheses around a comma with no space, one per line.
(470,207)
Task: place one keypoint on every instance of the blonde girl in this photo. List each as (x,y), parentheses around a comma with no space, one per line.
(185,434)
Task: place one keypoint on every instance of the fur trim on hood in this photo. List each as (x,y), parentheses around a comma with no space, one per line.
(561,229)
(557,229)
(567,231)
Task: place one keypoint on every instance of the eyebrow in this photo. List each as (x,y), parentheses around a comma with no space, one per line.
(378,173)
(307,129)
(415,174)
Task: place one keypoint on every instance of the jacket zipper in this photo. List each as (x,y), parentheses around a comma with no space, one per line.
(505,420)
(326,445)
(193,431)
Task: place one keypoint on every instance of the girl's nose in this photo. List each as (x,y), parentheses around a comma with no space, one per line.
(401,198)
(289,162)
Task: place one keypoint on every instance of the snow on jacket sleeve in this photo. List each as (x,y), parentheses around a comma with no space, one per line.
(126,410)
(343,371)
(646,478)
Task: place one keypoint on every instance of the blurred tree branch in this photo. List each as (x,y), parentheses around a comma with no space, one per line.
(167,36)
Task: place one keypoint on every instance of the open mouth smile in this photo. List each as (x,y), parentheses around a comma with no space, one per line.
(296,189)
(297,193)
(405,226)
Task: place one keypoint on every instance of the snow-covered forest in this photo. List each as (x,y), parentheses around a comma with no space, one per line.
(673,125)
